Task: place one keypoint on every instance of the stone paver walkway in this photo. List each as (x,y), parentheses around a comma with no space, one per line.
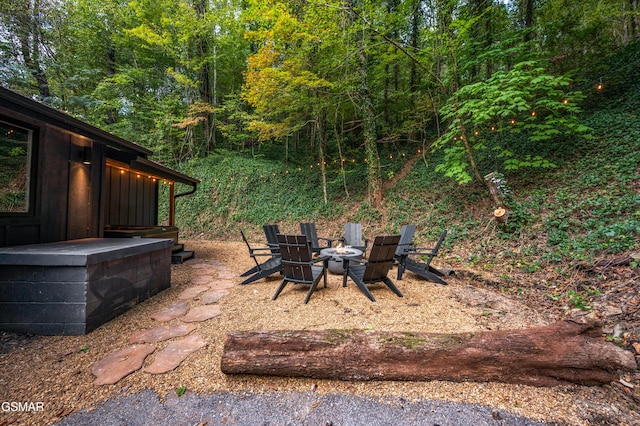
(204,292)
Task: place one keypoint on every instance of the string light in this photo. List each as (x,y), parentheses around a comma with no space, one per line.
(599,86)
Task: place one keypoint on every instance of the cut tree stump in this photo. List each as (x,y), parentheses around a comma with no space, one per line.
(565,352)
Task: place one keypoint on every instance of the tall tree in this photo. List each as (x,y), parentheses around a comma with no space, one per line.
(25,26)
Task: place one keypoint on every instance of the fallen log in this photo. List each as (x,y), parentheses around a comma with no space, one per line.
(564,352)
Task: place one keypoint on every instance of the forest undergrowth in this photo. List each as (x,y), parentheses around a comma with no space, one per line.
(569,248)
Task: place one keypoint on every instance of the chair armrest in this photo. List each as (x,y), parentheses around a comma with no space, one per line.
(260,248)
(269,253)
(421,251)
(328,240)
(321,259)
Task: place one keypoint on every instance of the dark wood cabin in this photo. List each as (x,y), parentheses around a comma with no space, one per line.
(72,193)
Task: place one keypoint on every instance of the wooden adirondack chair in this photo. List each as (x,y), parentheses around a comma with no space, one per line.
(270,266)
(406,240)
(270,232)
(299,266)
(423,269)
(353,237)
(376,267)
(309,230)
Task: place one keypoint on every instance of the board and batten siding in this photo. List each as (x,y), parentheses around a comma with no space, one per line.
(131,198)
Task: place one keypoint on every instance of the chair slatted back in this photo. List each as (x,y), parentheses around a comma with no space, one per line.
(381,257)
(406,238)
(271,232)
(353,235)
(296,258)
(309,230)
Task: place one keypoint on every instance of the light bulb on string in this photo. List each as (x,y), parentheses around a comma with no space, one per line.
(599,86)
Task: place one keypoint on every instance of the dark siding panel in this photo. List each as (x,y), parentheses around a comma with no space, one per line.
(139,216)
(131,210)
(131,198)
(98,187)
(53,183)
(107,196)
(79,201)
(124,199)
(149,202)
(20,235)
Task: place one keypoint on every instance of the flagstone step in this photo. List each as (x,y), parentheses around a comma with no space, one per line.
(202,313)
(192,292)
(174,354)
(172,311)
(119,364)
(163,332)
(212,296)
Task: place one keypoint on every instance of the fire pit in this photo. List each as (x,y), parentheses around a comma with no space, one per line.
(338,255)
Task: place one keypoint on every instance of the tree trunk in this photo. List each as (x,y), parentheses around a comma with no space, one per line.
(364,102)
(565,352)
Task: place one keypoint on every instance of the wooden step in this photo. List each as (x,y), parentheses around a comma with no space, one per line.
(181,256)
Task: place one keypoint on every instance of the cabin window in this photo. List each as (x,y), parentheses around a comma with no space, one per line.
(16,150)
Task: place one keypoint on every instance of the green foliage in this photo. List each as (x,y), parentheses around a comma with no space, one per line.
(236,190)
(181,390)
(525,101)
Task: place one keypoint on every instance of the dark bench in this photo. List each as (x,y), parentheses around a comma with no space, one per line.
(73,287)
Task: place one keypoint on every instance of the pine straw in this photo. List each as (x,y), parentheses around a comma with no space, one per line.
(57,371)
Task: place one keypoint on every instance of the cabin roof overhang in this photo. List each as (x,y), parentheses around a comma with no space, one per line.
(118,149)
